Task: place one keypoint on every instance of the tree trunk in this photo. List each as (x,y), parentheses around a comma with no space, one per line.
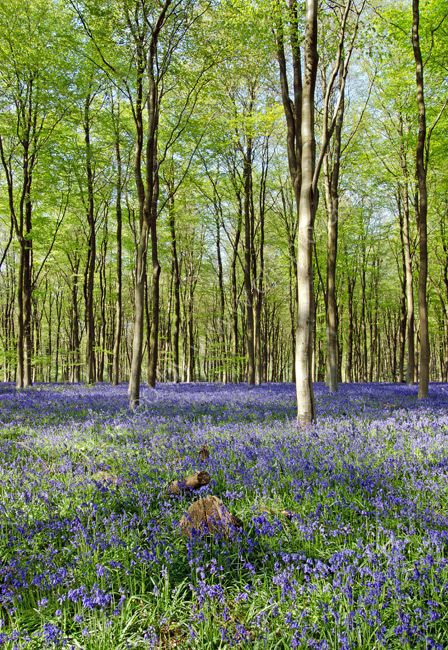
(27,293)
(363,323)
(74,360)
(147,192)
(145,198)
(118,304)
(350,293)
(402,336)
(408,263)
(248,245)
(332,196)
(101,357)
(306,211)
(20,330)
(190,335)
(235,338)
(176,276)
(403,314)
(222,303)
(58,334)
(259,281)
(422,207)
(154,350)
(293,113)
(292,286)
(139,313)
(91,257)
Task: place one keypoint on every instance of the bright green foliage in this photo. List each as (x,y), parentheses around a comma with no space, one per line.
(227,56)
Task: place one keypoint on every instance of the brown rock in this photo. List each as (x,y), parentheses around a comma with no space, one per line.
(192,482)
(204,452)
(209,516)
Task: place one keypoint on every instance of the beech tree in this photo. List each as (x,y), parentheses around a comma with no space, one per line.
(31,107)
(134,128)
(305,171)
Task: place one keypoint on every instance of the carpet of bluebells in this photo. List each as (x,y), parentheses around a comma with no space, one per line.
(90,551)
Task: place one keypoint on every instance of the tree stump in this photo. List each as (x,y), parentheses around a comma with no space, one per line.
(208,516)
(204,452)
(192,482)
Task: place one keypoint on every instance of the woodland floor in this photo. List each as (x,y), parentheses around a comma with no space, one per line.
(90,551)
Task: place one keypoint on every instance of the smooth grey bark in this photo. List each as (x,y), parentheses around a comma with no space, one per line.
(306,210)
(351,281)
(58,334)
(305,170)
(154,340)
(28,289)
(8,325)
(189,308)
(248,245)
(20,328)
(235,243)
(258,269)
(176,279)
(292,107)
(21,221)
(409,282)
(235,335)
(174,19)
(363,324)
(146,62)
(222,300)
(289,214)
(402,322)
(421,207)
(101,355)
(331,175)
(118,304)
(74,344)
(333,128)
(443,225)
(91,254)
(142,244)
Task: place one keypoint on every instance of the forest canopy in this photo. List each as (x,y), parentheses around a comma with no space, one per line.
(227,191)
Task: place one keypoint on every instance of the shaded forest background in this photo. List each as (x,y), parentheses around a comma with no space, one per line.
(109,127)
